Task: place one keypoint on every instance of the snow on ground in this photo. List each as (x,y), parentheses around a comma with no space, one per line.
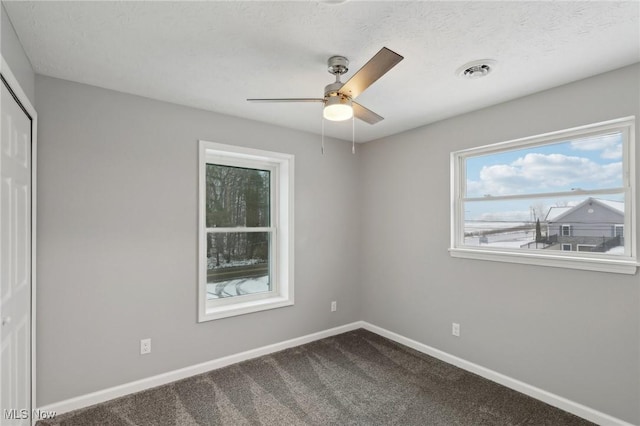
(619,250)
(237,287)
(483,226)
(515,239)
(211,263)
(508,239)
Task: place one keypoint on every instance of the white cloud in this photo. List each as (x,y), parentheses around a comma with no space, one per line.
(612,153)
(609,145)
(544,173)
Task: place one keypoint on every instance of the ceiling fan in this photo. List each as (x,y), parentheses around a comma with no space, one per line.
(339,97)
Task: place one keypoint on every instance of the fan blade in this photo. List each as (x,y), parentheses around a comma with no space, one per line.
(288,100)
(365,114)
(377,66)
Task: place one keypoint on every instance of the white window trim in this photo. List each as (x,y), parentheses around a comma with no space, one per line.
(281,253)
(584,245)
(584,261)
(562,246)
(562,228)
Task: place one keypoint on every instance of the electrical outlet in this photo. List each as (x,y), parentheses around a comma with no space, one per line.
(334,306)
(455,329)
(145,346)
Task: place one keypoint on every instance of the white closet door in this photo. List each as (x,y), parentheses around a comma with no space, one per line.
(15,262)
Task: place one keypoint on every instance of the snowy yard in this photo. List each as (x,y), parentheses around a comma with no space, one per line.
(484,226)
(513,239)
(238,287)
(619,250)
(211,263)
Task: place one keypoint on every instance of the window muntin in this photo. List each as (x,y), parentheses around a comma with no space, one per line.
(246,230)
(528,197)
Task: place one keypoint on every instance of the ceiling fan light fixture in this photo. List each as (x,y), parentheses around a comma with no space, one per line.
(338,99)
(338,108)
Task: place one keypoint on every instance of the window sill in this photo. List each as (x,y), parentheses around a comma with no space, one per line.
(618,266)
(234,309)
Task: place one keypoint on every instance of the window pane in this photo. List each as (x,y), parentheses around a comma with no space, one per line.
(593,223)
(237,264)
(593,162)
(237,196)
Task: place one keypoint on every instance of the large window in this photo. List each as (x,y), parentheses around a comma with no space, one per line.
(246,230)
(533,200)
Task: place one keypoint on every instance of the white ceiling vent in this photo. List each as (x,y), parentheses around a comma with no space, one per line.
(476,69)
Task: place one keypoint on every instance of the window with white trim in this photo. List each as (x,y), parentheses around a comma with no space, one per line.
(618,230)
(245,230)
(531,200)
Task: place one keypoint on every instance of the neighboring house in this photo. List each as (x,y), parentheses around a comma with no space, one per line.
(592,225)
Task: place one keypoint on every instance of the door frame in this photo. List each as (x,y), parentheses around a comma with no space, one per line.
(13,83)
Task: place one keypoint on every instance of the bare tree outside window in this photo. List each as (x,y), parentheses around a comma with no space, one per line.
(238,210)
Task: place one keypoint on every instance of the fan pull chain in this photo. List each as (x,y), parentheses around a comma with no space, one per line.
(322,145)
(353,134)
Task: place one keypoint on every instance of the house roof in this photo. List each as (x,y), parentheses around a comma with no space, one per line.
(556,213)
(615,205)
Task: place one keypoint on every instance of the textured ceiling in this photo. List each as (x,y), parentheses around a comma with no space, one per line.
(214,55)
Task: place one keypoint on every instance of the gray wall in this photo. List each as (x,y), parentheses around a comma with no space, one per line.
(117,247)
(573,333)
(15,57)
(117,238)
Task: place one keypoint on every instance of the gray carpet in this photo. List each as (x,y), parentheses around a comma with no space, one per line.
(356,378)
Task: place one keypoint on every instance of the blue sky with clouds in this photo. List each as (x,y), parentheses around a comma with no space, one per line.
(585,163)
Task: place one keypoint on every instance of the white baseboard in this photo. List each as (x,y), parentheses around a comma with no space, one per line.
(565,404)
(93,398)
(161,379)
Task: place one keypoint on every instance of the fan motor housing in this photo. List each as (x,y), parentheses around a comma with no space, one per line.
(337,65)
